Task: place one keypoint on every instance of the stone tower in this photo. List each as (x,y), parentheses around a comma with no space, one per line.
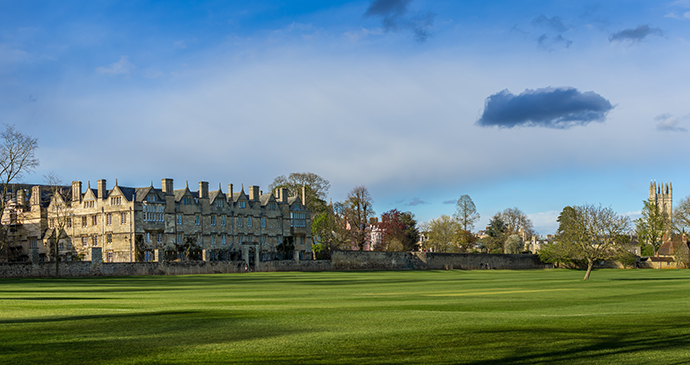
(662,196)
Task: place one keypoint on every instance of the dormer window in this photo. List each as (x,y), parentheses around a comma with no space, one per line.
(89,204)
(219,203)
(243,204)
(116,200)
(271,206)
(187,200)
(151,198)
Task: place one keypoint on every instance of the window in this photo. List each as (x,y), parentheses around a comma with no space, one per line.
(116,200)
(123,218)
(180,238)
(239,221)
(109,238)
(241,239)
(222,239)
(243,204)
(151,197)
(298,219)
(213,220)
(94,220)
(197,219)
(51,223)
(198,238)
(89,204)
(219,203)
(249,222)
(110,256)
(84,241)
(160,238)
(68,222)
(301,240)
(222,220)
(94,240)
(83,221)
(278,223)
(178,219)
(271,206)
(109,218)
(263,222)
(263,240)
(147,237)
(187,200)
(33,243)
(213,239)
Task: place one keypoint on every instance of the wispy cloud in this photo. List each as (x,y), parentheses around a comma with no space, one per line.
(417,201)
(121,67)
(449,202)
(552,25)
(555,23)
(669,123)
(550,107)
(635,34)
(395,16)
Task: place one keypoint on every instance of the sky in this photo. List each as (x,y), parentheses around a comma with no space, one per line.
(530,104)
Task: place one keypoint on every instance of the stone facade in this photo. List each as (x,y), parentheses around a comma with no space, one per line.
(662,196)
(131,224)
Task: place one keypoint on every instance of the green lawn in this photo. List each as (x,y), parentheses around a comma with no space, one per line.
(419,317)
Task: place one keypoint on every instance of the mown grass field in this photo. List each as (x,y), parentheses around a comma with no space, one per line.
(417,317)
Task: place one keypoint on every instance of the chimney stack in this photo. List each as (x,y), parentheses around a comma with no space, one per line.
(203,189)
(167,186)
(76,191)
(101,188)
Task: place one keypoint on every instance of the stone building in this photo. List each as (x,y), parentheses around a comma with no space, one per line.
(137,224)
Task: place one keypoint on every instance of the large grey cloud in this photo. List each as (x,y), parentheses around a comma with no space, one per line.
(394,17)
(550,107)
(635,34)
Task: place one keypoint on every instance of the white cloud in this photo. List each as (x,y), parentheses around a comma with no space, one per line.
(121,67)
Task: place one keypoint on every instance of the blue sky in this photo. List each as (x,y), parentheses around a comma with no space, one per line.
(530,104)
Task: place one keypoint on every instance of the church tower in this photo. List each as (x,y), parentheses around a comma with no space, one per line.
(662,196)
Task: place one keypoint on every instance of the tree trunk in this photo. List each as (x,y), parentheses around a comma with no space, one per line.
(590,264)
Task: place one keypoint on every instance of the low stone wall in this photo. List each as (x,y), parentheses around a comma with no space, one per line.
(366,260)
(341,260)
(88,268)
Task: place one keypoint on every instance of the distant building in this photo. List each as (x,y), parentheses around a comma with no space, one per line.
(130,223)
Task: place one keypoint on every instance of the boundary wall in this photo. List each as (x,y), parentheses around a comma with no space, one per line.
(341,260)
(371,260)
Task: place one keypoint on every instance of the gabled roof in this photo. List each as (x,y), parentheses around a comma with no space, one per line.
(293,199)
(266,198)
(218,194)
(90,194)
(182,192)
(128,193)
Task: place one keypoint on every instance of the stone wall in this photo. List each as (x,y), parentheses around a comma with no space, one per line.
(88,268)
(341,260)
(366,260)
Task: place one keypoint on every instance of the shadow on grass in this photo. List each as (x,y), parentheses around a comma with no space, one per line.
(157,337)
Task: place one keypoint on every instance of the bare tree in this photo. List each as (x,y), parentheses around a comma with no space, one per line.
(357,211)
(466,213)
(588,233)
(681,215)
(316,187)
(59,216)
(17,157)
(518,223)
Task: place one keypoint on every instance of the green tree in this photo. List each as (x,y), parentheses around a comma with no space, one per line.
(652,226)
(496,234)
(513,244)
(316,188)
(441,234)
(588,234)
